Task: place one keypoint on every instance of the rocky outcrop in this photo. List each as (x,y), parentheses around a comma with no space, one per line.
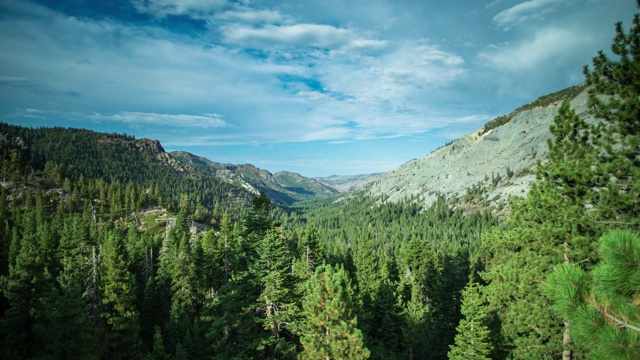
(501,161)
(150,147)
(349,183)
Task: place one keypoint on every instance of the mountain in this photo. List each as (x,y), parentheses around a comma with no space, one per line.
(349,183)
(284,187)
(65,155)
(485,166)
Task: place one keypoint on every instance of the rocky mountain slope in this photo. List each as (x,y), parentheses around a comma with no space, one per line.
(485,166)
(284,187)
(349,183)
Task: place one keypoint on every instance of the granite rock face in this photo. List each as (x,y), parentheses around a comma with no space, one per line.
(502,160)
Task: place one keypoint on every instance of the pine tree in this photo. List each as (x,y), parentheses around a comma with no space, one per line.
(591,183)
(416,317)
(65,326)
(329,330)
(119,302)
(602,306)
(158,352)
(368,283)
(619,133)
(28,288)
(552,225)
(234,332)
(276,304)
(472,340)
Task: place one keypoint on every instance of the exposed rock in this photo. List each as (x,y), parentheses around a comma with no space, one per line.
(349,183)
(502,160)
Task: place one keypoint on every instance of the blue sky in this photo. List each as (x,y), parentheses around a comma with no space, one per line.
(318,87)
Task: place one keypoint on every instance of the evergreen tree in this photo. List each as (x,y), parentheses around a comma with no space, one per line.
(158,352)
(28,289)
(472,340)
(602,306)
(416,316)
(65,326)
(234,331)
(619,133)
(551,226)
(119,302)
(329,330)
(276,305)
(368,283)
(590,183)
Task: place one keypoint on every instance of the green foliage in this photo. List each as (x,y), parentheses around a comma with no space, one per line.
(65,155)
(551,226)
(601,306)
(473,337)
(330,331)
(613,97)
(118,303)
(588,185)
(276,305)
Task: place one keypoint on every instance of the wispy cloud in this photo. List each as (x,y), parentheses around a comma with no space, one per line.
(253,16)
(205,121)
(528,10)
(193,8)
(298,35)
(548,44)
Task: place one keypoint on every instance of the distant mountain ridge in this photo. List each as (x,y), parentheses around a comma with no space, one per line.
(117,157)
(284,186)
(349,183)
(485,166)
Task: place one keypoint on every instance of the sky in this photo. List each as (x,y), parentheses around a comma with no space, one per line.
(318,87)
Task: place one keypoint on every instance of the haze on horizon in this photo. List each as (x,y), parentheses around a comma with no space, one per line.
(315,87)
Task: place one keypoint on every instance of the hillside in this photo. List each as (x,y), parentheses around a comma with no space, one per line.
(486,165)
(349,183)
(284,187)
(64,155)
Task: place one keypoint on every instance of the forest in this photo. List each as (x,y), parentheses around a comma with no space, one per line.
(108,253)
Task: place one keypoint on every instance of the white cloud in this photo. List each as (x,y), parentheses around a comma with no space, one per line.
(298,35)
(528,10)
(548,45)
(177,120)
(248,15)
(411,70)
(193,8)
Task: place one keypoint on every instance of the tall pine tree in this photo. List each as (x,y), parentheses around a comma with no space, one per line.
(119,300)
(329,330)
(602,306)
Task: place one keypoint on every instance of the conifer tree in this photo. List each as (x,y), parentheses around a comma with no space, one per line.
(551,226)
(234,332)
(472,339)
(28,289)
(590,183)
(368,283)
(602,306)
(158,352)
(329,330)
(119,302)
(276,304)
(65,327)
(416,315)
(619,133)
